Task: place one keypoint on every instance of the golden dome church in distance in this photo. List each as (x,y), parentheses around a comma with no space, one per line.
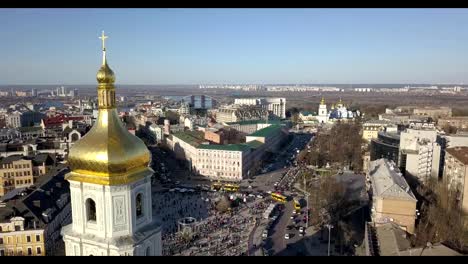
(110,185)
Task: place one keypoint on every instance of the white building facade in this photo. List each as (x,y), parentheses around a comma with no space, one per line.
(277,106)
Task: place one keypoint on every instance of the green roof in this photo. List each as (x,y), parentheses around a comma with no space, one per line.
(233,147)
(267,131)
(29,129)
(230,147)
(254,144)
(194,138)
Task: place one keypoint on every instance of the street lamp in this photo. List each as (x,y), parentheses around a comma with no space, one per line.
(329,231)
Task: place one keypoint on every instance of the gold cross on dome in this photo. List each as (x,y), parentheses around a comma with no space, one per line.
(103,37)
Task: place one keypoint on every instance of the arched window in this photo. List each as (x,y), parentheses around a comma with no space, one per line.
(90,210)
(74,137)
(148,251)
(139,205)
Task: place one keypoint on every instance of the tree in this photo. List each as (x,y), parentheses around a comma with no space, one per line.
(341,145)
(223,204)
(295,118)
(172,116)
(441,217)
(449,129)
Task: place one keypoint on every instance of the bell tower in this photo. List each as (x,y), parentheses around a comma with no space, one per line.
(110,185)
(322,112)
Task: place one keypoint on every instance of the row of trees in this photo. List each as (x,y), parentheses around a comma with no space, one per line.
(341,145)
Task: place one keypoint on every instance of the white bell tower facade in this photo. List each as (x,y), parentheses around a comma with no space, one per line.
(322,116)
(112,220)
(110,186)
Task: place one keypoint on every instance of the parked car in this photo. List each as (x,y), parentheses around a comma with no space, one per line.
(301,229)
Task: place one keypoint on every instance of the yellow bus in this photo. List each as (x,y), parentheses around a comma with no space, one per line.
(278,197)
(216,186)
(231,187)
(297,205)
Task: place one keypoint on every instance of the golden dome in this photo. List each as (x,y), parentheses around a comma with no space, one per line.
(105,74)
(108,154)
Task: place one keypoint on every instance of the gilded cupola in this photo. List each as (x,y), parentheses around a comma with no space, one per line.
(322,102)
(108,154)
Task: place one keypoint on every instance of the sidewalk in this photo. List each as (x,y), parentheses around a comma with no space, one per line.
(257,238)
(313,245)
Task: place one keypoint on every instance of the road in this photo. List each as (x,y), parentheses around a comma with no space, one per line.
(262,183)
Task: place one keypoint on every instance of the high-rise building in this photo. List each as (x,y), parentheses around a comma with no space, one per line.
(420,153)
(73,93)
(33,92)
(276,106)
(110,185)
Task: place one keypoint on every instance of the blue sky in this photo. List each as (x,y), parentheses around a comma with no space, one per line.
(192,46)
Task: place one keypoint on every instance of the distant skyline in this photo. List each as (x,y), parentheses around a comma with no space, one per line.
(235,46)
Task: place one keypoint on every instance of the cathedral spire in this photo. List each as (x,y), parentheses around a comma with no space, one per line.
(103,37)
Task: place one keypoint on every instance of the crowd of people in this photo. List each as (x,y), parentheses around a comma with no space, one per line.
(170,207)
(215,233)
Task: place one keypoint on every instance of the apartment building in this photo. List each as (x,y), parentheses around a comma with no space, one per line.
(456,173)
(392,199)
(18,240)
(434,112)
(20,171)
(371,129)
(420,153)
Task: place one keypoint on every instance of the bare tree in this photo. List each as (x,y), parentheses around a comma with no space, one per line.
(441,217)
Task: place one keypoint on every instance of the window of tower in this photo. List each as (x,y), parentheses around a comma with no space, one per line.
(90,210)
(148,251)
(139,205)
(74,137)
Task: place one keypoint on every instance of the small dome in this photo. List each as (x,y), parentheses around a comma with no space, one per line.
(105,74)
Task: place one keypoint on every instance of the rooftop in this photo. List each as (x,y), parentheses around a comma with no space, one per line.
(393,241)
(194,138)
(376,122)
(229,147)
(460,153)
(266,132)
(49,195)
(29,129)
(252,122)
(387,181)
(37,159)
